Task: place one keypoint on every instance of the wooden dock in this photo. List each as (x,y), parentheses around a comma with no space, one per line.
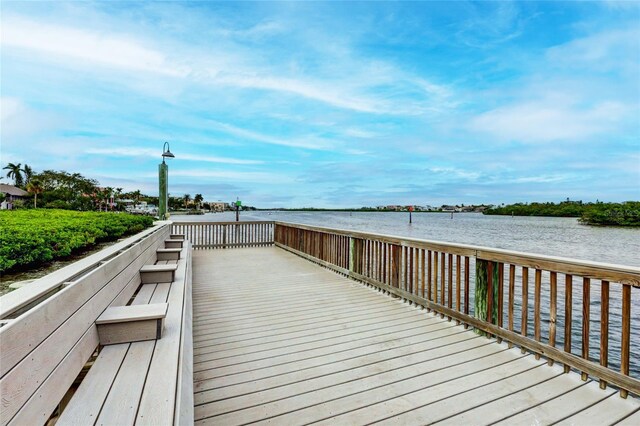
(283,323)
(279,339)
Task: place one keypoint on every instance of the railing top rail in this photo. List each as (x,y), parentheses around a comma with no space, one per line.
(212,222)
(625,274)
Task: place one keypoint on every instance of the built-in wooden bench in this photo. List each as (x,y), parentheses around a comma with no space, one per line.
(144,382)
(49,330)
(126,324)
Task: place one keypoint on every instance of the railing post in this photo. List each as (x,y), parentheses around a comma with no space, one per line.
(224,236)
(352,242)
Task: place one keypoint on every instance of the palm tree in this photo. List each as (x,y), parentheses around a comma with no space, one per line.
(136,196)
(186,199)
(107,195)
(35,187)
(198,199)
(118,195)
(28,174)
(15,173)
(102,197)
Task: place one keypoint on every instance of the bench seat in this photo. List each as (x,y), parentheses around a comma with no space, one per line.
(144,382)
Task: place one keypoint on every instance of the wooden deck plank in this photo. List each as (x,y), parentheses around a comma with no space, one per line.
(632,420)
(488,412)
(292,322)
(121,405)
(411,365)
(363,403)
(352,347)
(88,399)
(281,340)
(609,411)
(144,294)
(395,328)
(346,332)
(384,345)
(365,317)
(379,361)
(214,346)
(559,407)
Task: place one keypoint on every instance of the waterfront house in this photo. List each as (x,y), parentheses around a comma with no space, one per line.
(219,206)
(11,194)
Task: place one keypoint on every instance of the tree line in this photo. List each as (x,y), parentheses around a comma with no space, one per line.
(59,189)
(598,213)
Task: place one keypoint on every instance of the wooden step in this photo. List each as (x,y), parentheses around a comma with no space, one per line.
(158,273)
(176,237)
(134,323)
(168,254)
(173,243)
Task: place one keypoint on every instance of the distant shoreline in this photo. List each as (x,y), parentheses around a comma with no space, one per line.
(356,210)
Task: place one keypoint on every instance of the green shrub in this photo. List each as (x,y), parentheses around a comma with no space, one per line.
(33,236)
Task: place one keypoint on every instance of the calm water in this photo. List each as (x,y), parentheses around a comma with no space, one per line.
(542,235)
(549,236)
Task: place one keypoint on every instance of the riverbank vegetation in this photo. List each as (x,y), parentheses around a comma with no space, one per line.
(37,236)
(598,213)
(58,189)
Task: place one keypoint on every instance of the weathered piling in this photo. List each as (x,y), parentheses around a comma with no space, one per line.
(486,290)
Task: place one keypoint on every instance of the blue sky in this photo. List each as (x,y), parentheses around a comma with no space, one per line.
(330,104)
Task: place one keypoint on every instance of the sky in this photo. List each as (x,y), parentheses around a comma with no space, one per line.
(329,104)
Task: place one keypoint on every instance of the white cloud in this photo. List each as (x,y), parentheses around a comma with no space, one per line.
(356,152)
(300,142)
(359,133)
(539,179)
(609,50)
(18,120)
(260,177)
(9,107)
(454,173)
(153,153)
(311,90)
(111,50)
(548,121)
(364,86)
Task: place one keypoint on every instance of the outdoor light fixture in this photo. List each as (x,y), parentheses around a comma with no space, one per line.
(163,175)
(165,152)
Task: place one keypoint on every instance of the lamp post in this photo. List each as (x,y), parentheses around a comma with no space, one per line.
(163,175)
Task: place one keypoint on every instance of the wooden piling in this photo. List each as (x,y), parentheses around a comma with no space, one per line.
(486,275)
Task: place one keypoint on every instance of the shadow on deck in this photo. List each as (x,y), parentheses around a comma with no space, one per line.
(282,340)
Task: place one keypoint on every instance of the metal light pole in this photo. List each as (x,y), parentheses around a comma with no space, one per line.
(163,175)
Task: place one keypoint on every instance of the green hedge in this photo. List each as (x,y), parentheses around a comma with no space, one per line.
(29,237)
